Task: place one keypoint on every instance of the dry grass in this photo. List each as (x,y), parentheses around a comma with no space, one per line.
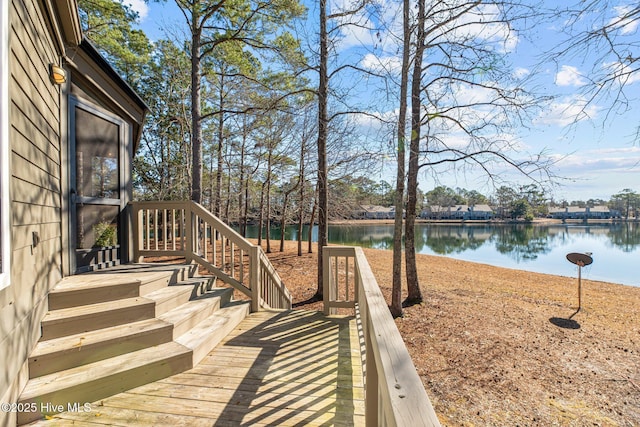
(494,346)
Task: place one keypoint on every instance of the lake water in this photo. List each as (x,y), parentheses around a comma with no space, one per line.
(615,248)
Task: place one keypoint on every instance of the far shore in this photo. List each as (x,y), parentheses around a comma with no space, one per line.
(537,221)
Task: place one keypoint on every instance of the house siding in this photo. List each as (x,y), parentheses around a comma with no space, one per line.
(35,189)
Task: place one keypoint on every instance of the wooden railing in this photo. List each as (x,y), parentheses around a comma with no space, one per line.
(394,394)
(188,230)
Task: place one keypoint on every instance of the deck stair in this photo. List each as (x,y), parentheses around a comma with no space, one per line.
(110,331)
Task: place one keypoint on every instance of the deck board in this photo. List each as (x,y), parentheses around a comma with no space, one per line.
(275,368)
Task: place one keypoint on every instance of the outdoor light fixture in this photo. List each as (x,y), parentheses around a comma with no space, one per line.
(58,74)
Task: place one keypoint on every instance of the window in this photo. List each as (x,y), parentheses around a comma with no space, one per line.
(4,146)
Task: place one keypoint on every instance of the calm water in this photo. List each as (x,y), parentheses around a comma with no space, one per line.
(540,248)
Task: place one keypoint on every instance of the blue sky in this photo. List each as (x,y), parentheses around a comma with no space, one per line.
(594,149)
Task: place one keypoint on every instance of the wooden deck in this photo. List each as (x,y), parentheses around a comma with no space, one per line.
(276,368)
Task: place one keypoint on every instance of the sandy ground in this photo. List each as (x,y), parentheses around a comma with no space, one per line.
(502,347)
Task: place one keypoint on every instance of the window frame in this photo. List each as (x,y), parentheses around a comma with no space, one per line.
(5,176)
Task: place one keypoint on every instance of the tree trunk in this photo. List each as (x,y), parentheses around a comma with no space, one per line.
(283,221)
(396,292)
(322,144)
(242,214)
(312,223)
(227,204)
(413,286)
(261,215)
(246,206)
(196,121)
(268,195)
(300,228)
(301,206)
(218,197)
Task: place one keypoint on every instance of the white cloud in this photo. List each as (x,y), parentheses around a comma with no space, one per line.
(379,64)
(139,6)
(567,111)
(607,160)
(623,73)
(626,19)
(485,23)
(520,73)
(569,76)
(596,173)
(355,28)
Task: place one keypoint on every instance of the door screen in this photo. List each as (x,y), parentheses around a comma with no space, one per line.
(96,188)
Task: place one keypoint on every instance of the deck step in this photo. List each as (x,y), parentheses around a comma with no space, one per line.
(87,347)
(200,285)
(71,351)
(189,315)
(97,380)
(110,331)
(75,320)
(169,298)
(71,293)
(115,284)
(206,335)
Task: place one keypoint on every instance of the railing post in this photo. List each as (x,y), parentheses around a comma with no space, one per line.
(254,278)
(136,216)
(326,280)
(372,398)
(190,238)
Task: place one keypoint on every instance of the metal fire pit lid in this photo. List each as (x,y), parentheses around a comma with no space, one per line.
(578,258)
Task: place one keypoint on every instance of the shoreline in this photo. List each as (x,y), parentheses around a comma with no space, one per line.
(537,221)
(534,267)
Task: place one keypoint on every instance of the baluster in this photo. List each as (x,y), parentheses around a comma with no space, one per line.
(241,266)
(173,229)
(181,229)
(147,227)
(164,229)
(155,229)
(334,288)
(223,254)
(205,249)
(346,278)
(231,259)
(214,246)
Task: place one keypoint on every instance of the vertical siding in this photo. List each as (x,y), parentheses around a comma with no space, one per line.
(35,188)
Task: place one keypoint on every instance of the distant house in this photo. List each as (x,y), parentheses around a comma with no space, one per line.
(479,212)
(459,212)
(375,212)
(576,212)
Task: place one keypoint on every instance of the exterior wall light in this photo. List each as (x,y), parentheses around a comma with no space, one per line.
(58,74)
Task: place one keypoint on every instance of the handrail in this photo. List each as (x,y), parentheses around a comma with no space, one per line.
(394,394)
(186,229)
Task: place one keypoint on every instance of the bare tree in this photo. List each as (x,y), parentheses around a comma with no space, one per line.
(396,293)
(323,124)
(414,294)
(328,34)
(462,87)
(604,33)
(307,130)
